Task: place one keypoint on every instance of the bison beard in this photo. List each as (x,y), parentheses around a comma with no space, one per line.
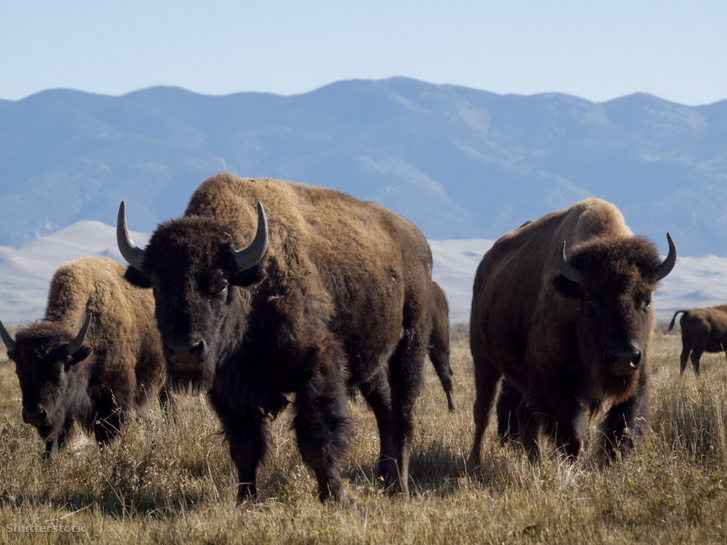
(565,336)
(335,297)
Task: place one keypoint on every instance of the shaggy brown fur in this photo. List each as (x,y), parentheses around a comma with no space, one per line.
(118,368)
(439,343)
(340,300)
(703,330)
(564,348)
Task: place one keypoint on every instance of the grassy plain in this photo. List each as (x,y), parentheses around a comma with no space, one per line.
(174,482)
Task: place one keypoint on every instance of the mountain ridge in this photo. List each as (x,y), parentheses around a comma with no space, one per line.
(458,162)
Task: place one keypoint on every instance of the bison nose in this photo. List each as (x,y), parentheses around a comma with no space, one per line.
(623,362)
(185,355)
(36,417)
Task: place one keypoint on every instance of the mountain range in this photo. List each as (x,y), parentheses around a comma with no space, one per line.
(459,162)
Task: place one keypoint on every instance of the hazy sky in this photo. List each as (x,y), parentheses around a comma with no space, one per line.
(594,50)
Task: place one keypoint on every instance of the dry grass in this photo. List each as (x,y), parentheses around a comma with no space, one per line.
(174,483)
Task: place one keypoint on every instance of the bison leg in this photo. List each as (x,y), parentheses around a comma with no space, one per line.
(684,357)
(507,404)
(529,423)
(405,377)
(323,428)
(486,381)
(561,427)
(439,355)
(62,438)
(167,404)
(696,356)
(248,436)
(378,396)
(107,423)
(624,423)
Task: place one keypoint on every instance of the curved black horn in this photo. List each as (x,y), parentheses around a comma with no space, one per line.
(76,343)
(566,268)
(251,256)
(7,339)
(133,255)
(668,264)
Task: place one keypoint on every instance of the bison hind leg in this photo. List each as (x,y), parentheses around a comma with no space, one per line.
(696,356)
(683,358)
(487,379)
(378,396)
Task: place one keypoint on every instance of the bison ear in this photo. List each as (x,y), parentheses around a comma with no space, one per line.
(567,287)
(77,357)
(137,278)
(250,277)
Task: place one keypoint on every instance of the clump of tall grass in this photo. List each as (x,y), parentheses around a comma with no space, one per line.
(173,481)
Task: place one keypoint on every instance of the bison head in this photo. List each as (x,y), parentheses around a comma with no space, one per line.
(45,354)
(198,276)
(613,280)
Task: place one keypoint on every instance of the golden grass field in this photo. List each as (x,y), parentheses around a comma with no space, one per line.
(174,482)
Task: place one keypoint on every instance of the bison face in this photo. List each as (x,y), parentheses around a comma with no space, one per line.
(45,355)
(201,287)
(613,280)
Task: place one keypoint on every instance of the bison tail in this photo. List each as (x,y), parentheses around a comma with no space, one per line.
(673,319)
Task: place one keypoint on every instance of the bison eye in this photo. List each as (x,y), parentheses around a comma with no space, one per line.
(591,306)
(221,288)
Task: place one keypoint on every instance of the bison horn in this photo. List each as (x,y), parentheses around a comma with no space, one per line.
(7,339)
(251,256)
(133,255)
(567,269)
(76,343)
(668,264)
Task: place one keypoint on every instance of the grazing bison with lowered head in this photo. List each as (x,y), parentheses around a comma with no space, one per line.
(331,294)
(703,330)
(439,342)
(94,357)
(562,310)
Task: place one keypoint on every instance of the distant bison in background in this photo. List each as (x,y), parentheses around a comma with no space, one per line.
(703,330)
(569,334)
(94,357)
(439,342)
(332,294)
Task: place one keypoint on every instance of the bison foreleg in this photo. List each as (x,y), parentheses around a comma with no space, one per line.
(324,430)
(507,404)
(624,423)
(108,420)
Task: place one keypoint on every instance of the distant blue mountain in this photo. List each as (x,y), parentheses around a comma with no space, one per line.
(458,162)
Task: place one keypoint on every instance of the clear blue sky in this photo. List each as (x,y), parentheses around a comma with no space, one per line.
(594,50)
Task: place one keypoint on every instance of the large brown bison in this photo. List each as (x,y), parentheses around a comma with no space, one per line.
(439,342)
(333,293)
(94,357)
(703,330)
(562,310)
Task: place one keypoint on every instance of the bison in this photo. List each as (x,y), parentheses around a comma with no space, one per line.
(703,330)
(94,357)
(439,342)
(562,310)
(331,294)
